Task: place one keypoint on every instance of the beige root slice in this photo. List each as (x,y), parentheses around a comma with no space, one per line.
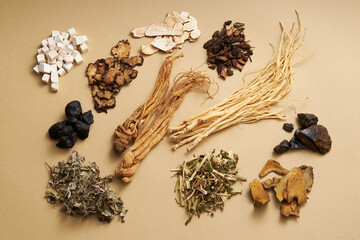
(250,103)
(154,132)
(127,132)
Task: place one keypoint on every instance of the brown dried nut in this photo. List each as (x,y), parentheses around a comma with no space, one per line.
(229,32)
(238,25)
(272,166)
(292,186)
(229,72)
(308,175)
(122,49)
(271,183)
(291,208)
(133,61)
(258,193)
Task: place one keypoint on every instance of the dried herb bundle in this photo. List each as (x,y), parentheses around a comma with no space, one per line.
(250,103)
(155,131)
(204,183)
(81,191)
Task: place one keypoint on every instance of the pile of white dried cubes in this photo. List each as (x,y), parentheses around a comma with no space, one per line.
(57,54)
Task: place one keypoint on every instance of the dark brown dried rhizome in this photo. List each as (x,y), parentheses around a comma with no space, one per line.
(107,76)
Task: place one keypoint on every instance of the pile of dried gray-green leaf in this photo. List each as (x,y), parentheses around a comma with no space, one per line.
(81,191)
(205,182)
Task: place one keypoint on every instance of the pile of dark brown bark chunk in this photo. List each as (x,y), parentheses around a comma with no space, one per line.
(228,49)
(309,135)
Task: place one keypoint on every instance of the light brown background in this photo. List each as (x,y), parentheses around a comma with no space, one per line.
(330,80)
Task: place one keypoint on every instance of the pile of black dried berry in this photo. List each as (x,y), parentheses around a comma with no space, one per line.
(76,126)
(310,135)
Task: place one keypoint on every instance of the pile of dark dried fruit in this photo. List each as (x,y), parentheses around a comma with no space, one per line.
(228,49)
(309,135)
(107,76)
(81,191)
(76,126)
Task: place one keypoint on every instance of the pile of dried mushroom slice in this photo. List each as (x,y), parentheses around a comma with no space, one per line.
(170,34)
(290,190)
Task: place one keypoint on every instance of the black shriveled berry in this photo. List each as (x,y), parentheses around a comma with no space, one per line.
(81,129)
(87,117)
(73,109)
(66,131)
(54,129)
(67,141)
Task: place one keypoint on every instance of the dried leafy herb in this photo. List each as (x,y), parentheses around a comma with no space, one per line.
(81,191)
(205,182)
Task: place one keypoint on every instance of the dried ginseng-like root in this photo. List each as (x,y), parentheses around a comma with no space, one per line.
(106,76)
(156,130)
(127,132)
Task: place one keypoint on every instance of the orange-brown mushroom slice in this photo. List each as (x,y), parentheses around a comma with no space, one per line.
(258,193)
(272,166)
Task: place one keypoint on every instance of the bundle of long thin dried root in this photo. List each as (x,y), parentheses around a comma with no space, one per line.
(128,131)
(158,127)
(250,103)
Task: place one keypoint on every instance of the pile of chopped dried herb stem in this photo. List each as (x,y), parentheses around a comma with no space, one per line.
(81,191)
(204,183)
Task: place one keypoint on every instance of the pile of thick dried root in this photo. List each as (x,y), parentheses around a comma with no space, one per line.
(154,132)
(250,103)
(127,132)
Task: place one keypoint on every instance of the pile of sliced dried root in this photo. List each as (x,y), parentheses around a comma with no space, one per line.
(250,103)
(154,132)
(291,190)
(170,34)
(107,76)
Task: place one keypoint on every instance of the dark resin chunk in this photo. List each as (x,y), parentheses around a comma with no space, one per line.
(227,23)
(87,117)
(284,146)
(288,127)
(295,143)
(81,129)
(307,119)
(54,129)
(316,137)
(73,109)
